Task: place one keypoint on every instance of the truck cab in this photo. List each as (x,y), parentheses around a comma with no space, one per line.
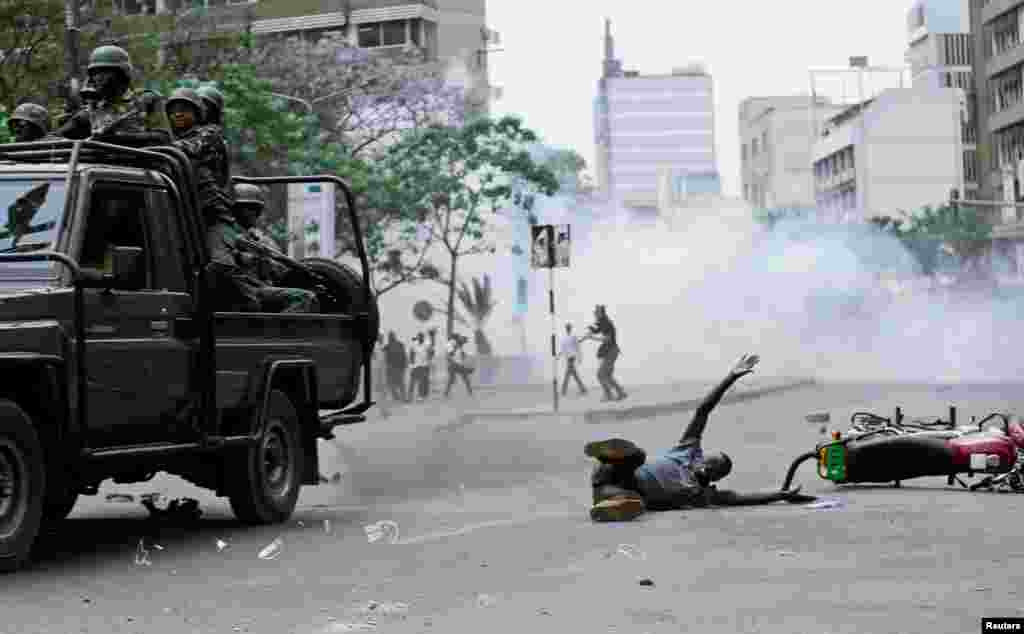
(119,359)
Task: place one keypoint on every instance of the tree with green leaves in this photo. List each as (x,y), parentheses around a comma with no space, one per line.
(444,179)
(963,231)
(479,304)
(31,50)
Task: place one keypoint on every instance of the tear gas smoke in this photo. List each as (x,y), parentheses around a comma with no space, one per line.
(690,294)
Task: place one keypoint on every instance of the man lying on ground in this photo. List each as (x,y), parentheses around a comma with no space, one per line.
(625,485)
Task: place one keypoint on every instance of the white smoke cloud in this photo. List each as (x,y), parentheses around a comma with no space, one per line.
(691,294)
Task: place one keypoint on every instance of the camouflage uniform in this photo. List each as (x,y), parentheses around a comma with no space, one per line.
(272,298)
(205,147)
(242,270)
(118,119)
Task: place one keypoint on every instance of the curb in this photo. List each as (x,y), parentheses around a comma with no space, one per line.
(645,411)
(620,414)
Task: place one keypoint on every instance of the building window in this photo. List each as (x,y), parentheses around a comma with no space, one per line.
(1006,89)
(753,148)
(389,33)
(743,152)
(1003,33)
(746,192)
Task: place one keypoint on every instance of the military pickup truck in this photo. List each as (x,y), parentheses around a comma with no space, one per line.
(119,358)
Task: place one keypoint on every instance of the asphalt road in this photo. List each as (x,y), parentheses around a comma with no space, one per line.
(493,532)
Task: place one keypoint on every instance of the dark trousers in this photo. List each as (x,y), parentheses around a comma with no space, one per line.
(418,378)
(396,383)
(605,375)
(570,371)
(454,372)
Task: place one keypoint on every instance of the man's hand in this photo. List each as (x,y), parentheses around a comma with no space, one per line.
(745,364)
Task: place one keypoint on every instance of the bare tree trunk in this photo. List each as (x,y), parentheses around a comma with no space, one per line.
(451,297)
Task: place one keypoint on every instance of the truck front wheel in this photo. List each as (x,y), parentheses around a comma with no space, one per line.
(22,486)
(265,478)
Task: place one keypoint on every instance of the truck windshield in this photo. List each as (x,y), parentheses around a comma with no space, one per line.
(31,212)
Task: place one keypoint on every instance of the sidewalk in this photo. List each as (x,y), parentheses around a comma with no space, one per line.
(522,402)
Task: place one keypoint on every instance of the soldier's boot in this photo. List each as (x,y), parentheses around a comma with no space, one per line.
(616,451)
(616,504)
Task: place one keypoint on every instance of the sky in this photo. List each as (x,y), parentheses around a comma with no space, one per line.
(552,55)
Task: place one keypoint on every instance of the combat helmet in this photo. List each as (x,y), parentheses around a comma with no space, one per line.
(249,194)
(32,113)
(213,99)
(190,97)
(111,56)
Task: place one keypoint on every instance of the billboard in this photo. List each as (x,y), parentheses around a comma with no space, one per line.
(549,246)
(311,216)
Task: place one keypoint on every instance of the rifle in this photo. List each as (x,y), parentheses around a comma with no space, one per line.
(320,283)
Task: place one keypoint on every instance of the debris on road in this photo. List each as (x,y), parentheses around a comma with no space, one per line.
(142,555)
(327,526)
(831,503)
(388,608)
(631,551)
(543,612)
(272,550)
(338,628)
(787,553)
(120,497)
(221,545)
(386,530)
(486,601)
(646,582)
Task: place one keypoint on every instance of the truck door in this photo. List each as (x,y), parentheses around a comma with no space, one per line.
(139,364)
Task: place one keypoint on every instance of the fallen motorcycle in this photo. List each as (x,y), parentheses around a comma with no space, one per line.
(879,450)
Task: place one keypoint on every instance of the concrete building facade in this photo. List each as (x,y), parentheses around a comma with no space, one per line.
(450,31)
(998,26)
(645,123)
(940,53)
(898,152)
(776,137)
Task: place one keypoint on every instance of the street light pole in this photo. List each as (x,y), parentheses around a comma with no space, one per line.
(72,40)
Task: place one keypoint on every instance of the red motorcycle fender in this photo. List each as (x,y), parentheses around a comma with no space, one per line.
(983,453)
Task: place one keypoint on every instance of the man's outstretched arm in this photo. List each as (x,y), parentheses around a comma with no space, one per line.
(695,430)
(716,497)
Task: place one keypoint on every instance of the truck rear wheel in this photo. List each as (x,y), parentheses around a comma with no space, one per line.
(22,486)
(267,476)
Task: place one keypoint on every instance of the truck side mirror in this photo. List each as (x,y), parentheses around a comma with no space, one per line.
(126,265)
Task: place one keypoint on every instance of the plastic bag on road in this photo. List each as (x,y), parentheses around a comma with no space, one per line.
(272,550)
(385,530)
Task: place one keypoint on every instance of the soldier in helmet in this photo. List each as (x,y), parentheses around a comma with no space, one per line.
(29,122)
(249,206)
(214,101)
(207,150)
(213,122)
(113,112)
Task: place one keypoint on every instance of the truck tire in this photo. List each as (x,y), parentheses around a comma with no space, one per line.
(349,285)
(22,486)
(265,478)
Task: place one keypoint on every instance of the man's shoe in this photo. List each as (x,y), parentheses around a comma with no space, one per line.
(618,509)
(615,451)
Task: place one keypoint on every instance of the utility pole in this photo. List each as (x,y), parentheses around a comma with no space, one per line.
(72,42)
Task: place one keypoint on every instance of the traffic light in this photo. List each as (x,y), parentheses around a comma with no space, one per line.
(954,199)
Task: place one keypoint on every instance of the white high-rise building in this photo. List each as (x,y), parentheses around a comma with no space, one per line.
(646,124)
